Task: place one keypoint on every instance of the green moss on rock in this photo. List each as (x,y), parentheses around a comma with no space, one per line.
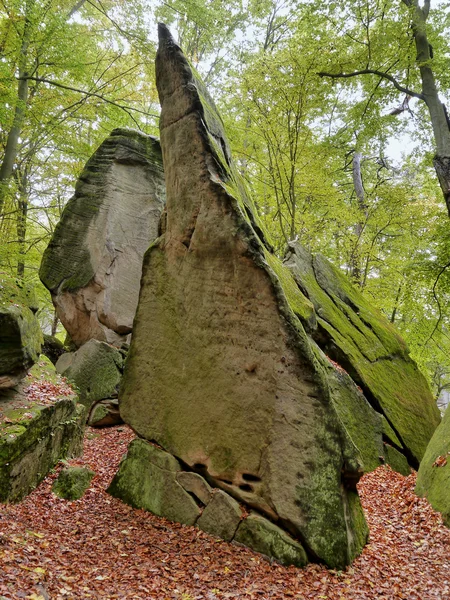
(265,537)
(433,477)
(35,440)
(72,482)
(147,479)
(95,369)
(20,334)
(370,349)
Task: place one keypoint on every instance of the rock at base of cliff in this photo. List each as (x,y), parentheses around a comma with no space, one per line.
(147,478)
(221,516)
(95,369)
(105,414)
(263,536)
(72,483)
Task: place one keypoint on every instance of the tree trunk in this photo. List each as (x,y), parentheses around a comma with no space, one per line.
(12,141)
(436,109)
(22,224)
(355,259)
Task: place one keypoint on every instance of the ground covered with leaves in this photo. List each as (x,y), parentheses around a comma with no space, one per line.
(97,547)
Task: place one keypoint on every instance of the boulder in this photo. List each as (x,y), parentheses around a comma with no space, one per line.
(40,423)
(195,485)
(53,348)
(433,477)
(265,537)
(72,482)
(20,333)
(361,340)
(147,478)
(105,414)
(93,263)
(95,369)
(221,516)
(221,372)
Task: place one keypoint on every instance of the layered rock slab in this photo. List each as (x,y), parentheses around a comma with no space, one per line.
(38,427)
(93,263)
(357,336)
(20,334)
(433,477)
(220,372)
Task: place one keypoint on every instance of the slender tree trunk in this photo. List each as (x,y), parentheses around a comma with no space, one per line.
(436,109)
(12,141)
(355,259)
(55,322)
(22,224)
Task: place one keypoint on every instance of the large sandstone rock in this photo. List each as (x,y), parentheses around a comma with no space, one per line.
(221,372)
(20,333)
(93,263)
(433,477)
(357,336)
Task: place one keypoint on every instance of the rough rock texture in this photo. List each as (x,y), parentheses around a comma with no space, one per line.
(433,477)
(370,349)
(72,482)
(93,263)
(36,433)
(195,485)
(95,369)
(221,516)
(147,478)
(248,406)
(20,334)
(265,537)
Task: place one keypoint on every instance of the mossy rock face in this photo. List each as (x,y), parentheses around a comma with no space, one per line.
(433,477)
(93,263)
(147,478)
(95,369)
(265,537)
(33,440)
(72,483)
(358,337)
(221,372)
(20,333)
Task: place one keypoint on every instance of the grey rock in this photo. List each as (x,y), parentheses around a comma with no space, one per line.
(196,485)
(221,516)
(93,263)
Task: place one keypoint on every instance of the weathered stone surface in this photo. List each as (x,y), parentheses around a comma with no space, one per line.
(362,423)
(265,537)
(95,369)
(105,414)
(93,263)
(147,478)
(34,439)
(196,485)
(20,334)
(433,477)
(355,335)
(221,516)
(396,460)
(72,482)
(221,372)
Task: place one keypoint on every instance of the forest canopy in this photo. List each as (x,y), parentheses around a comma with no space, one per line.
(335,111)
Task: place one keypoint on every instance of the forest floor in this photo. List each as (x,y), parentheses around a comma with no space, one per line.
(97,547)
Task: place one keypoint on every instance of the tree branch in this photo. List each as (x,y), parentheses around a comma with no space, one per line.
(374,72)
(90,94)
